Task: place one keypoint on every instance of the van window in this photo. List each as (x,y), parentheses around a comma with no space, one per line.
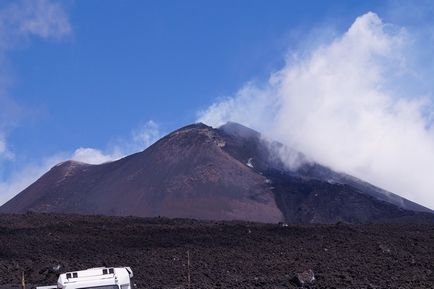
(101,287)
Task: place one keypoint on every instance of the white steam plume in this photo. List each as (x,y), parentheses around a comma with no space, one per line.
(343,105)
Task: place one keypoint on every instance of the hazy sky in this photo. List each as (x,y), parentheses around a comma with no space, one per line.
(95,80)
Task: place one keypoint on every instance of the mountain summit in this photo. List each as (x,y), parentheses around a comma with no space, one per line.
(228,173)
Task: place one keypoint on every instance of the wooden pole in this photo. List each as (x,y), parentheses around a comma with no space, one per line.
(23,281)
(188,269)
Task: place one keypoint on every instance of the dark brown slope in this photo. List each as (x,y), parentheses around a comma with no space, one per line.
(205,173)
(185,174)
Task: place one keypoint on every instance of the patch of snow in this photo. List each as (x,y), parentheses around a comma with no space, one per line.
(250,163)
(221,143)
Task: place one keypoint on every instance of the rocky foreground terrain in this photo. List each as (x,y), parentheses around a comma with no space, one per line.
(223,254)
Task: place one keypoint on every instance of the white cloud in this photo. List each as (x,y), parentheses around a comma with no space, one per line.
(93,156)
(344,106)
(146,135)
(139,140)
(42,18)
(5,153)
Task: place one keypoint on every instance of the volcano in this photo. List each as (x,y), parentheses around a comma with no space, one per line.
(225,173)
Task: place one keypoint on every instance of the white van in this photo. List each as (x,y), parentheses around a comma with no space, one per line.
(96,278)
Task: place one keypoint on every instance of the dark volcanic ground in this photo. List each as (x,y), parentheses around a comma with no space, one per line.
(223,254)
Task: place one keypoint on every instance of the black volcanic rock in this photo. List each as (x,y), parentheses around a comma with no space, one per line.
(222,174)
(230,255)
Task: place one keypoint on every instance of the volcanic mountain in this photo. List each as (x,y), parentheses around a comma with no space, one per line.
(226,173)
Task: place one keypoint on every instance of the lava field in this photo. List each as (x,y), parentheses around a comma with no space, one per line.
(222,254)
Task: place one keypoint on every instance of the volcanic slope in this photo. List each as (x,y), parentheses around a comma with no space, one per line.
(221,174)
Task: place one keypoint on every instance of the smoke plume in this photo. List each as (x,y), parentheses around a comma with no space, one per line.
(348,104)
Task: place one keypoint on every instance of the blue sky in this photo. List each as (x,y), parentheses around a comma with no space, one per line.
(136,61)
(110,71)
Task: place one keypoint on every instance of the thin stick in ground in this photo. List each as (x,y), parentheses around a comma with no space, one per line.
(188,269)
